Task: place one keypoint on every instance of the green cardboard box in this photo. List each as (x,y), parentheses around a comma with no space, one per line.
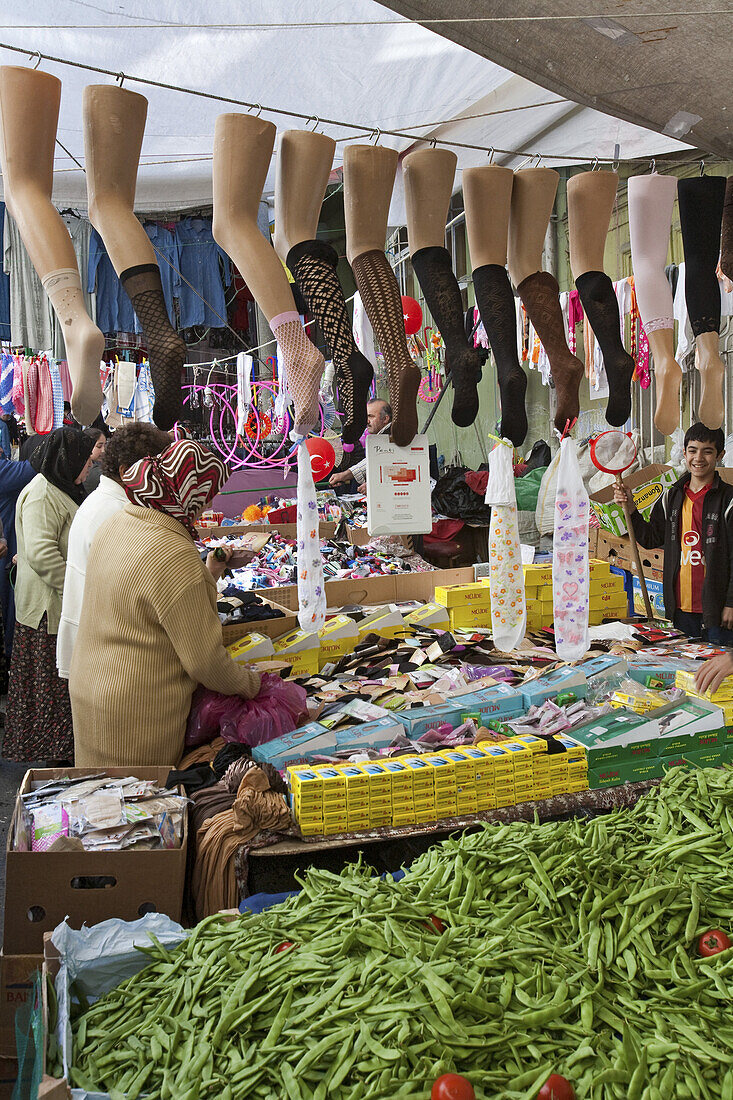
(615,738)
(647,486)
(622,736)
(629,771)
(711,757)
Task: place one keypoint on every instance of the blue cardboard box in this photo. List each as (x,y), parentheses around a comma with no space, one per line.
(370,735)
(297,747)
(418,721)
(604,667)
(552,684)
(501,701)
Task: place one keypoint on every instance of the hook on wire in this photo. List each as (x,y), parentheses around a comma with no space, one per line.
(316,123)
(120,78)
(490,155)
(433,143)
(702,167)
(653,165)
(259,109)
(375,135)
(595,167)
(39,55)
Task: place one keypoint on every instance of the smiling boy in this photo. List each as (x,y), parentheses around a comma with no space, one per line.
(694,522)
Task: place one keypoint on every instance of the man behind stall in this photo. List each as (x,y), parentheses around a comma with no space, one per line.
(379,421)
(693,519)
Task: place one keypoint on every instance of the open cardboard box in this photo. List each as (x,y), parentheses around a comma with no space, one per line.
(287,530)
(273,628)
(647,486)
(43,888)
(382,590)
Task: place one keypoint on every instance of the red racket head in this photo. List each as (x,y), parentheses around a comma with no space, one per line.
(613,451)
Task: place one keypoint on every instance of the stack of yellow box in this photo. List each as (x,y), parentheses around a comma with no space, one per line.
(608,599)
(538,596)
(577,764)
(722,698)
(430,787)
(641,701)
(469,605)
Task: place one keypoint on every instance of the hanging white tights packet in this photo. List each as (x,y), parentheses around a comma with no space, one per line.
(311,586)
(570,567)
(506,575)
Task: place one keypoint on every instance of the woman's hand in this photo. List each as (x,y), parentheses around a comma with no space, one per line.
(217,561)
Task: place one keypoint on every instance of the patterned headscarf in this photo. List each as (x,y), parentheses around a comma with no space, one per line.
(180,481)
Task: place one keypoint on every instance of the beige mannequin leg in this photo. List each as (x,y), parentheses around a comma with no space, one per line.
(668,378)
(303,167)
(369,172)
(591,196)
(487,194)
(242,152)
(114,125)
(429,175)
(29,104)
(304,162)
(711,410)
(533,196)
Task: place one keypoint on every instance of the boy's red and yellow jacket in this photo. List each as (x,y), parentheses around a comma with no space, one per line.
(663,529)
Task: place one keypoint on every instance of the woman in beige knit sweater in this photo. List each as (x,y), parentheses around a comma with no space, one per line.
(149,632)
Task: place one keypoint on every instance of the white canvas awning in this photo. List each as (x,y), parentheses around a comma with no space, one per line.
(356,63)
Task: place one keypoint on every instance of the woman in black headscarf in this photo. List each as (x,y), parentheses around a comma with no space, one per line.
(38,719)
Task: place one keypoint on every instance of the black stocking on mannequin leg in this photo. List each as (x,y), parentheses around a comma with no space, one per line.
(313,265)
(166,349)
(495,302)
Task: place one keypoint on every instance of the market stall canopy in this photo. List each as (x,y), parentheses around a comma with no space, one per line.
(357,65)
(663,66)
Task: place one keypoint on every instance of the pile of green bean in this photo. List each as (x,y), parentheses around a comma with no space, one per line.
(569,947)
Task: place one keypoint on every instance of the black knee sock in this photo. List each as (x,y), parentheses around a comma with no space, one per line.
(313,265)
(434,271)
(601,308)
(701,214)
(495,303)
(166,349)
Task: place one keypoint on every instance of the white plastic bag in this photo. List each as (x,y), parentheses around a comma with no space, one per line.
(506,575)
(570,568)
(311,586)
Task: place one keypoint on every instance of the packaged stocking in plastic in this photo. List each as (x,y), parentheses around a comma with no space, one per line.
(506,576)
(311,589)
(570,569)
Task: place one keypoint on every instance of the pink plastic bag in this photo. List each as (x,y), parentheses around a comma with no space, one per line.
(277,710)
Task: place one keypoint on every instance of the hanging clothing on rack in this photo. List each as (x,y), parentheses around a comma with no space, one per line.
(167,254)
(7,365)
(199,259)
(31,313)
(128,398)
(4,286)
(114,308)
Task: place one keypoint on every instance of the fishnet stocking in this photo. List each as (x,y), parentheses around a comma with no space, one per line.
(166,349)
(539,292)
(726,244)
(381,297)
(601,308)
(313,265)
(304,366)
(495,302)
(434,271)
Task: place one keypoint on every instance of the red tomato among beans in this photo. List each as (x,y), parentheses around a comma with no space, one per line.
(712,943)
(284,946)
(451,1086)
(556,1088)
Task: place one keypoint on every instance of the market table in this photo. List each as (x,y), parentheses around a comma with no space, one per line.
(268,863)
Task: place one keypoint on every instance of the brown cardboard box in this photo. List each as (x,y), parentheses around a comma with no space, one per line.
(647,486)
(287,530)
(87,887)
(16,987)
(8,1074)
(273,628)
(382,590)
(359,536)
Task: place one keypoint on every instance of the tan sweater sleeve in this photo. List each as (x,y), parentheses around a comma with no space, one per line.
(194,630)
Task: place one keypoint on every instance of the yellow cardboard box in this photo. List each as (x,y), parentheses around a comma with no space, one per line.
(251,647)
(462,595)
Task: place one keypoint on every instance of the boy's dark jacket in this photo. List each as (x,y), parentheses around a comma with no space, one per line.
(663,528)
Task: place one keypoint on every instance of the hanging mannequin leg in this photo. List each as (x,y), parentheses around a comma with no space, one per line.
(429,175)
(651,199)
(29,104)
(303,167)
(701,203)
(726,241)
(591,196)
(242,151)
(369,173)
(114,124)
(487,193)
(533,196)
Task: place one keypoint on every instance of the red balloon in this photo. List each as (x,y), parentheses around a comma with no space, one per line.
(412,314)
(323,456)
